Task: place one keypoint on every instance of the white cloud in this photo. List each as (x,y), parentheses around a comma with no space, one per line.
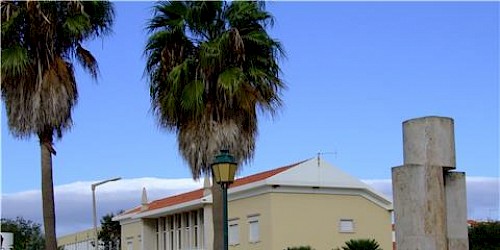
(483,195)
(74,200)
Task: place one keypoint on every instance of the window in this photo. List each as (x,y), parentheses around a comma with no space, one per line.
(346,226)
(234,231)
(181,231)
(195,231)
(253,229)
(178,229)
(157,226)
(187,229)
(163,233)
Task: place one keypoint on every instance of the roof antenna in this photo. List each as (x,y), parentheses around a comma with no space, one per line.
(325,153)
(319,154)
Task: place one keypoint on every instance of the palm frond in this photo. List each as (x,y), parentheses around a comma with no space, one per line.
(77,24)
(169,15)
(230,81)
(87,60)
(14,60)
(248,15)
(101,16)
(192,97)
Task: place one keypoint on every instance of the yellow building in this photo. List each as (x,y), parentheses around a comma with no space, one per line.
(82,240)
(308,203)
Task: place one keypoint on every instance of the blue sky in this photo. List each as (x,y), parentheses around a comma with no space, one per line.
(355,71)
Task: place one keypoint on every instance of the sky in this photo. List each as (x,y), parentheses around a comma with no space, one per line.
(354,70)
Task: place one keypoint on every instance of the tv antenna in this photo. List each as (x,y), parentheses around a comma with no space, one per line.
(326,153)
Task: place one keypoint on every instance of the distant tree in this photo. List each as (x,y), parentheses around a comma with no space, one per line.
(27,234)
(484,236)
(110,232)
(361,244)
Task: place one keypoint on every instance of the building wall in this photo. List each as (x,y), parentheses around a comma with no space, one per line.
(77,241)
(130,235)
(294,219)
(239,212)
(313,219)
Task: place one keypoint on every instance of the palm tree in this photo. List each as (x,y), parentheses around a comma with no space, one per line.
(40,40)
(212,67)
(361,244)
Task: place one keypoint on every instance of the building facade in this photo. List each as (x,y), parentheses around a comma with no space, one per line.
(308,203)
(82,240)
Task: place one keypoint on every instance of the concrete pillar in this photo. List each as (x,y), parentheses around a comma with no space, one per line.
(429,201)
(208,227)
(456,204)
(429,141)
(419,207)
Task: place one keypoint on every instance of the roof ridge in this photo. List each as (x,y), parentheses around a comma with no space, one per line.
(176,195)
(263,175)
(274,169)
(198,193)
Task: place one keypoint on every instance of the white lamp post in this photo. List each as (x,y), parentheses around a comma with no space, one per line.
(93,186)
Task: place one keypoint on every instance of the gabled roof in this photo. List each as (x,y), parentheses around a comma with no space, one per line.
(313,172)
(317,172)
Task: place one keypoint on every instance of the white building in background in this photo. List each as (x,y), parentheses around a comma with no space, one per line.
(82,240)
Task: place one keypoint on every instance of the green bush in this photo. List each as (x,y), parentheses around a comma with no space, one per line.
(485,236)
(361,244)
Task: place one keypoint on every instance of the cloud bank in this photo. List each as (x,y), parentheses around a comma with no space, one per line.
(483,196)
(74,200)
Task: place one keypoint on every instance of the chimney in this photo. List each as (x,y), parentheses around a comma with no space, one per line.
(206,186)
(144,200)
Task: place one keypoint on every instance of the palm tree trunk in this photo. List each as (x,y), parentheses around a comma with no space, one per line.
(49,218)
(217,216)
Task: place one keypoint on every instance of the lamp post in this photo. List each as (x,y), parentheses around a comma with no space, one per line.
(223,170)
(93,186)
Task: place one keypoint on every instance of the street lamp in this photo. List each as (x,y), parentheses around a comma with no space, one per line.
(93,186)
(223,170)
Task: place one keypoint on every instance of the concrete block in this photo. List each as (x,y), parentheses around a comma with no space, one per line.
(429,141)
(456,210)
(419,207)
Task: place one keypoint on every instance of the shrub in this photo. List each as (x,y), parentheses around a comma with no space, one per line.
(361,244)
(299,248)
(485,236)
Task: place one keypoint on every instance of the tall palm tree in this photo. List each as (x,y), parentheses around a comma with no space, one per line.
(212,67)
(40,41)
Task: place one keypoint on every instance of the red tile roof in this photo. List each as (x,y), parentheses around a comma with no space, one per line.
(198,194)
(176,199)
